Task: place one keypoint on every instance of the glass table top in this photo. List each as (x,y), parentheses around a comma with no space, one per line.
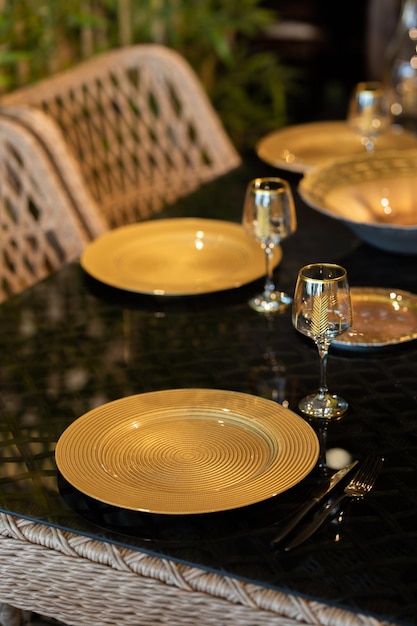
(70,344)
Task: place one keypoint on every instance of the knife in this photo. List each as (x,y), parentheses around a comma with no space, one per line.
(361,483)
(333,481)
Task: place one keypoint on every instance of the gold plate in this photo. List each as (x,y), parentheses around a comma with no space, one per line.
(381,317)
(186,451)
(301,147)
(178,256)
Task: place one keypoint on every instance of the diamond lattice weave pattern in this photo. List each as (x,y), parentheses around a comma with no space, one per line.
(138,125)
(38,230)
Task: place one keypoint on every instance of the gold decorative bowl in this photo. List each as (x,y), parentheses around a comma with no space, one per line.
(375,195)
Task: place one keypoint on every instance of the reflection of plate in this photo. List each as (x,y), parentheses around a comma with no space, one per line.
(173,257)
(381,317)
(186,451)
(302,147)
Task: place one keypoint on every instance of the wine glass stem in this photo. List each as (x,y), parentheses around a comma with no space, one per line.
(269,280)
(323,353)
(323,425)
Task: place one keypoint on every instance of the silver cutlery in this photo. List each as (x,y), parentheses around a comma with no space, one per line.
(310,504)
(360,485)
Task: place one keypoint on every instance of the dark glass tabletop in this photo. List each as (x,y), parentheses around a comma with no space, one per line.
(70,344)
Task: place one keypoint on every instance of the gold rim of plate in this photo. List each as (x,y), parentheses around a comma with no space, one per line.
(302,147)
(381,317)
(186,451)
(176,257)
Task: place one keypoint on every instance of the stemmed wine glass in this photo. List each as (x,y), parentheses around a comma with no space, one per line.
(322,310)
(269,216)
(369,112)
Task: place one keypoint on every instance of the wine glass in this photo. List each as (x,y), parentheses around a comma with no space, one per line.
(322,310)
(369,113)
(269,216)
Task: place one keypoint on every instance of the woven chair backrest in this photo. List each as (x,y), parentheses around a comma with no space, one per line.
(38,230)
(140,125)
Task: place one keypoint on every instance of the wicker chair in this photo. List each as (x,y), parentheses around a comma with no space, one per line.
(133,127)
(107,143)
(38,229)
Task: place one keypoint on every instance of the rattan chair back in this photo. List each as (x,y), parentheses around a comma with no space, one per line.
(39,231)
(138,124)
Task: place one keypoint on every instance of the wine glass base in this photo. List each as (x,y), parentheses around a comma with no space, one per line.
(328,407)
(271,302)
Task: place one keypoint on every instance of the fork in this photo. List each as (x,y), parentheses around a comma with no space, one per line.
(361,484)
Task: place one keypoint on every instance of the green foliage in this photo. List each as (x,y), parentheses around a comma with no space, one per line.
(221,39)
(251,96)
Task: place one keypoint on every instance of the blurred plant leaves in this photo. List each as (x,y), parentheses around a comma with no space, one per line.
(221,40)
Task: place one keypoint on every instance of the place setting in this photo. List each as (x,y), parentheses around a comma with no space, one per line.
(181,454)
(373,195)
(301,148)
(155,464)
(362,173)
(190,454)
(322,312)
(382,317)
(174,467)
(179,457)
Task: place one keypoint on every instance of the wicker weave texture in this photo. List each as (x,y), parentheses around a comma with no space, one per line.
(81,581)
(137,122)
(38,229)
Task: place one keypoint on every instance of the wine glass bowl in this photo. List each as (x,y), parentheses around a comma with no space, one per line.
(269,217)
(369,113)
(322,310)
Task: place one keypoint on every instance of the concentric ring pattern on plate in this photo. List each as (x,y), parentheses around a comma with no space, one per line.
(302,147)
(178,256)
(381,317)
(186,451)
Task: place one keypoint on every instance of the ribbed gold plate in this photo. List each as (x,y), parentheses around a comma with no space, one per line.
(186,451)
(176,257)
